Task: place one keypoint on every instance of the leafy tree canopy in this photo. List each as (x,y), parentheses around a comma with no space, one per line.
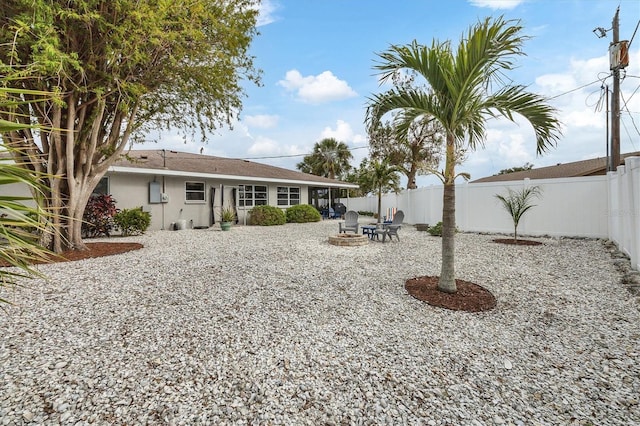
(526,166)
(121,67)
(415,151)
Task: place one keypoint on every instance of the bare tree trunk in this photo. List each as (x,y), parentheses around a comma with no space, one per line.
(515,233)
(447,281)
(77,144)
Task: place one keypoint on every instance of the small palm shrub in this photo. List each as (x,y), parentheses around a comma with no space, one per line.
(266,216)
(517,203)
(303,213)
(227,214)
(98,216)
(132,221)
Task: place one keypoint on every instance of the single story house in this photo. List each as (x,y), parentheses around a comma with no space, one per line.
(591,167)
(181,189)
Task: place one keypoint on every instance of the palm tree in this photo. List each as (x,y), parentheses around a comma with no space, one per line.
(21,226)
(517,203)
(330,159)
(465,89)
(381,177)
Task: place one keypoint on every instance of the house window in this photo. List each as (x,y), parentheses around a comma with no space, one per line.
(252,195)
(102,188)
(194,192)
(288,196)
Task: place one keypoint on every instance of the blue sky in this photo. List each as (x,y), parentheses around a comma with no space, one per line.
(317,59)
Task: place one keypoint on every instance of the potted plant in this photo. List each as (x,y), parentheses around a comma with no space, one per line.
(227,216)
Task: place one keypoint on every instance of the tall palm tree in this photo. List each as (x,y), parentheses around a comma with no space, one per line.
(330,158)
(381,177)
(466,88)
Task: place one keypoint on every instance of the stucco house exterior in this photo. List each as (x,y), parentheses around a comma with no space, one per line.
(182,189)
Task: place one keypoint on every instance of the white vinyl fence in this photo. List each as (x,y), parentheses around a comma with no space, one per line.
(594,206)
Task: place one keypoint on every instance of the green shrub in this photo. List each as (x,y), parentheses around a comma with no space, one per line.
(132,221)
(303,213)
(365,213)
(436,230)
(266,216)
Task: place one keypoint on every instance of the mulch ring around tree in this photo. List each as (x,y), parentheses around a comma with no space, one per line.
(470,297)
(517,242)
(93,250)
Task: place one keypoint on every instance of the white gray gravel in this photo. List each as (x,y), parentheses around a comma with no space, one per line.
(266,326)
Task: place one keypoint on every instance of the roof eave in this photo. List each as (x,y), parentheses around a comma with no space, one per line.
(167,172)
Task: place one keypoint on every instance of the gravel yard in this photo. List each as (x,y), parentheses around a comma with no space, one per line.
(273,325)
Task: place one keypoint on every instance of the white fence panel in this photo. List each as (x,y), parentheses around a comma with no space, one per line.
(624,209)
(567,207)
(592,206)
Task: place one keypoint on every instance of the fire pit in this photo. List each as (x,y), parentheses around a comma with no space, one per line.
(349,240)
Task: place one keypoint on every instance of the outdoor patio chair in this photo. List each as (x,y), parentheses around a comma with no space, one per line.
(392,228)
(350,222)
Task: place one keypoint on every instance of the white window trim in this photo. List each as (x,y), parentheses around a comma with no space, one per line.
(288,188)
(253,195)
(204,193)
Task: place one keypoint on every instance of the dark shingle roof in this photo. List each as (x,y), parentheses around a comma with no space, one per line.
(163,160)
(592,167)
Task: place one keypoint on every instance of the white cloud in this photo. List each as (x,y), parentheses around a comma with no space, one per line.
(342,133)
(266,9)
(261,121)
(556,83)
(263,146)
(506,146)
(496,4)
(324,87)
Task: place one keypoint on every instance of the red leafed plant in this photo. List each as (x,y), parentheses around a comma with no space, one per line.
(98,216)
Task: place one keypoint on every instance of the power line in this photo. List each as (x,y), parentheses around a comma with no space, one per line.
(633,36)
(577,88)
(630,115)
(292,155)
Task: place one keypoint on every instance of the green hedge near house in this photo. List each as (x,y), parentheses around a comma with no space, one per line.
(266,216)
(303,213)
(132,221)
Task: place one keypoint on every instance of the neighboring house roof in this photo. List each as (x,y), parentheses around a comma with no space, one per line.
(166,162)
(592,167)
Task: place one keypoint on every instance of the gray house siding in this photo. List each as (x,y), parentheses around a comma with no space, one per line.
(133,190)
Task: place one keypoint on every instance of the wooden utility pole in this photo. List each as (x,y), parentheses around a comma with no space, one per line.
(615,99)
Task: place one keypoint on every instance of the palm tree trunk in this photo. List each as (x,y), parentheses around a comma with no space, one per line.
(379,204)
(447,281)
(515,234)
(411,177)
